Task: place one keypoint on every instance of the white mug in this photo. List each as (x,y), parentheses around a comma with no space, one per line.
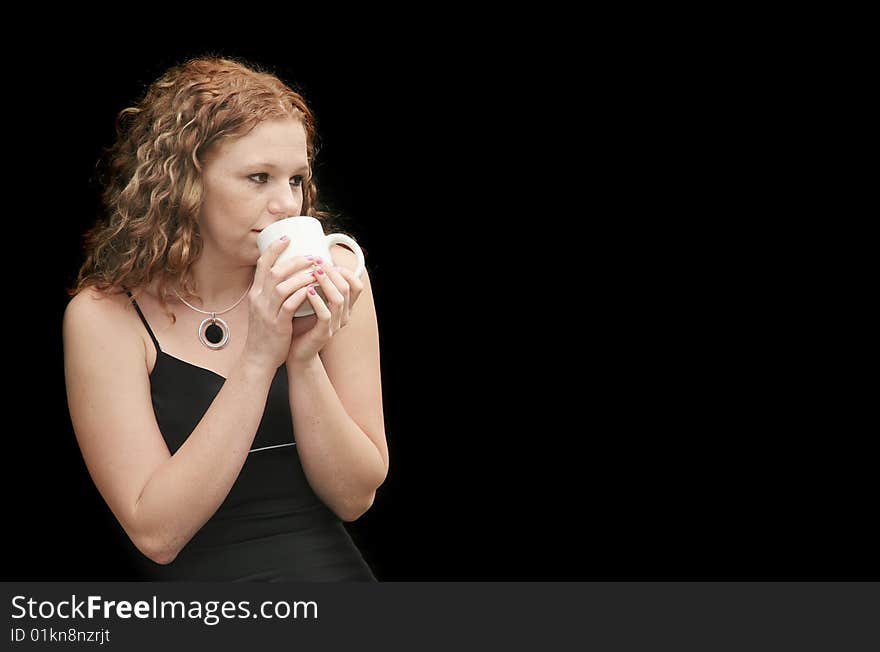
(307,239)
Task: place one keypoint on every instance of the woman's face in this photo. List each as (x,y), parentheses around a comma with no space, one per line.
(249,183)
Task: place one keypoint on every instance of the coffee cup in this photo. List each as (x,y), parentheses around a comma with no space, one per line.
(307,238)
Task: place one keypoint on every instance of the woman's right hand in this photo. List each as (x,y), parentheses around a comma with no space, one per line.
(278,290)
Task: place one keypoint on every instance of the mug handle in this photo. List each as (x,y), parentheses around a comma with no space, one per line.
(341,238)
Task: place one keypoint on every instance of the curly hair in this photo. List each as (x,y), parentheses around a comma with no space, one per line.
(151,176)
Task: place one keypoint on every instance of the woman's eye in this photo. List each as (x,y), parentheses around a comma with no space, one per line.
(263,177)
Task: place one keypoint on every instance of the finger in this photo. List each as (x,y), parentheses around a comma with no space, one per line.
(332,297)
(286,268)
(322,312)
(275,290)
(331,292)
(268,258)
(293,302)
(356,285)
(344,289)
(296,282)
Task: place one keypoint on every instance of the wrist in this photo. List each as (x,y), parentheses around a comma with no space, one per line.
(254,369)
(304,365)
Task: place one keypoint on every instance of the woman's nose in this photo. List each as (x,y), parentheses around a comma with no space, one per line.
(286,201)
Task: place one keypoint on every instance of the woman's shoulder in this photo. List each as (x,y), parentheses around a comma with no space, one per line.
(92,300)
(342,255)
(345,257)
(98,313)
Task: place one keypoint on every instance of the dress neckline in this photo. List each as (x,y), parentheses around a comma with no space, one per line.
(185,362)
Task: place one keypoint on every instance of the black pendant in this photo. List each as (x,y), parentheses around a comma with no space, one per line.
(214,334)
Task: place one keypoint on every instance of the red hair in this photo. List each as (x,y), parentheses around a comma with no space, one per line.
(152,188)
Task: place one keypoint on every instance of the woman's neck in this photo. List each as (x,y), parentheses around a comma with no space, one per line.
(219,287)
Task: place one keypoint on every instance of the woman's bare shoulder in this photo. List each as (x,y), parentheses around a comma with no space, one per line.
(99,314)
(92,301)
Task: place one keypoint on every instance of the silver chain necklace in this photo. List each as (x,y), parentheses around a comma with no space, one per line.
(213,331)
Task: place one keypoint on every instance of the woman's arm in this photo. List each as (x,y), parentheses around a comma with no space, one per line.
(336,404)
(161,500)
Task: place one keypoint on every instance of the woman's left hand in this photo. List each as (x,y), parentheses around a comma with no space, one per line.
(342,289)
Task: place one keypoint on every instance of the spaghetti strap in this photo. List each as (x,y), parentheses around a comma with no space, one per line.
(143,319)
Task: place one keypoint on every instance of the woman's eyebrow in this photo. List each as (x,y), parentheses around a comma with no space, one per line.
(271,166)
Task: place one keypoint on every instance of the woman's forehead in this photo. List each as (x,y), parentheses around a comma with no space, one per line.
(276,143)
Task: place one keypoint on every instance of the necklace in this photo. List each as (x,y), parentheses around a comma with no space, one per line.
(213,331)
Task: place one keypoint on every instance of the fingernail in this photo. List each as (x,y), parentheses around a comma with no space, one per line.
(320,271)
(310,257)
(318,259)
(312,290)
(312,274)
(284,238)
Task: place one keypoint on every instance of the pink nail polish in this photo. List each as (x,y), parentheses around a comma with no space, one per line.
(320,271)
(318,260)
(284,238)
(312,290)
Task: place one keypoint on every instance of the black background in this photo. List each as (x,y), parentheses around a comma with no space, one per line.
(565,398)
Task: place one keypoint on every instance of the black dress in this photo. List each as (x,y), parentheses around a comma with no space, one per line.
(271,526)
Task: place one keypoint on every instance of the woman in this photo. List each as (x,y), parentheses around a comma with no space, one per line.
(238,462)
